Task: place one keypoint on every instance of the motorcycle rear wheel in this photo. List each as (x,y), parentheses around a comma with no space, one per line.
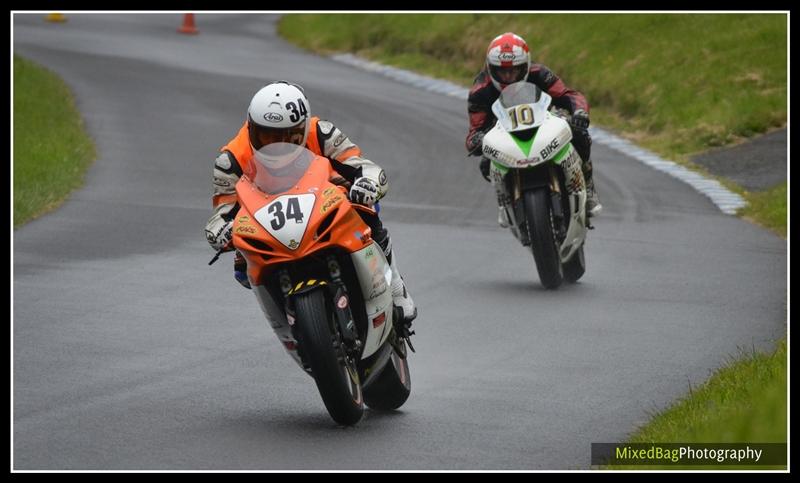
(543,244)
(393,385)
(334,372)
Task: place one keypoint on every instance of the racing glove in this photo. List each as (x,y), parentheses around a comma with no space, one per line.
(364,192)
(580,120)
(240,270)
(477,144)
(221,238)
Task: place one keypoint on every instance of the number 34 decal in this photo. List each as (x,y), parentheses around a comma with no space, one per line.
(286,218)
(292,212)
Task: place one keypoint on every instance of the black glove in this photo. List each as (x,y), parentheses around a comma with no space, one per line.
(580,120)
(484,167)
(240,270)
(477,144)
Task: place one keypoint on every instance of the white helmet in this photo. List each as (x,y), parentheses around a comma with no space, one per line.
(278,113)
(508,60)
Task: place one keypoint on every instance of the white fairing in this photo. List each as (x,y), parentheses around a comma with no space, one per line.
(504,114)
(276,317)
(552,136)
(576,187)
(375,276)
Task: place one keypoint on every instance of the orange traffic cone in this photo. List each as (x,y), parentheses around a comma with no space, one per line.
(188,24)
(56,17)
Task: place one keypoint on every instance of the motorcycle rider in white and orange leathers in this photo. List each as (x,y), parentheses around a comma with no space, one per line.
(279,112)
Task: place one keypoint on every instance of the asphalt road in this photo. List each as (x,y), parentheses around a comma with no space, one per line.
(131,353)
(757,164)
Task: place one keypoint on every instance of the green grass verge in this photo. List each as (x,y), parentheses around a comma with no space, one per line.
(52,150)
(744,401)
(768,208)
(676,84)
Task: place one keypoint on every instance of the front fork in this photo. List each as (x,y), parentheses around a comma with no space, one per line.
(343,315)
(341,301)
(514,201)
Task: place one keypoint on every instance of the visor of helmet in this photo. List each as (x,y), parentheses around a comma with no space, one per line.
(508,75)
(262,136)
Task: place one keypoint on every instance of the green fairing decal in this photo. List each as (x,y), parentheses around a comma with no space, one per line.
(500,167)
(562,154)
(525,146)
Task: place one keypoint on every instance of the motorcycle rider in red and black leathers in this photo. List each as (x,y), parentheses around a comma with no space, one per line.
(508,61)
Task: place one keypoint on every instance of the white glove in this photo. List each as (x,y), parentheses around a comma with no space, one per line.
(220,237)
(364,192)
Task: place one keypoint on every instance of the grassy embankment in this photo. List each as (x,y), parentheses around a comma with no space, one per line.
(745,401)
(677,84)
(52,150)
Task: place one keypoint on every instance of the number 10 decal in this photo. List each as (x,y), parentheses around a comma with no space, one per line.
(522,114)
(286,218)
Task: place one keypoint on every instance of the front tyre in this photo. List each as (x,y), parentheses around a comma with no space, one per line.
(543,244)
(393,385)
(334,372)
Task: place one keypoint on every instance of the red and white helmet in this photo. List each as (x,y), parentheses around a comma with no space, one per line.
(508,60)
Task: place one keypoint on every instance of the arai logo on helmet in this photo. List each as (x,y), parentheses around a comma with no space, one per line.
(506,56)
(273,117)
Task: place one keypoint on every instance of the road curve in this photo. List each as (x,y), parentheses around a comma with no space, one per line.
(131,353)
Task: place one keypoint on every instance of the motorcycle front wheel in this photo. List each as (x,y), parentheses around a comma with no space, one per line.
(540,231)
(334,371)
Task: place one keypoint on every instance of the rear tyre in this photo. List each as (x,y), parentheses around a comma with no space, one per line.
(334,372)
(543,244)
(393,385)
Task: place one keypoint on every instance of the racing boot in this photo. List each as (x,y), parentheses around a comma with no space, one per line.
(400,296)
(593,206)
(240,270)
(502,214)
(502,217)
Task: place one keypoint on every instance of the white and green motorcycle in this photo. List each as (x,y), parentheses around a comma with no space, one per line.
(539,182)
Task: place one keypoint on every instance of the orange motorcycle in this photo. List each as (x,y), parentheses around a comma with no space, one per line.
(323,284)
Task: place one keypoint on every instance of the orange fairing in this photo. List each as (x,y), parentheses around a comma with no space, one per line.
(221,199)
(263,247)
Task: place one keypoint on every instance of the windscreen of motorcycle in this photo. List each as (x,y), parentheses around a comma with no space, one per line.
(279,166)
(521,106)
